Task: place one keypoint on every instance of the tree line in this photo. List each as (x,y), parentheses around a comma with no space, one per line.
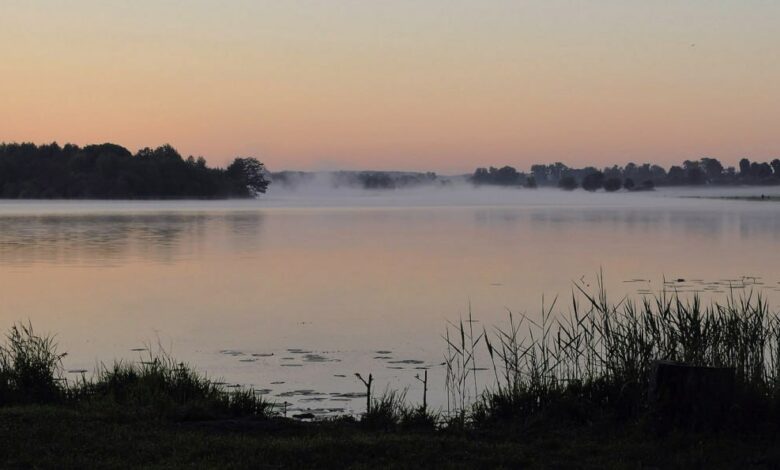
(633,177)
(109,171)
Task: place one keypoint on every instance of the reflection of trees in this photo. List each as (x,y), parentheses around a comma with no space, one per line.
(112,239)
(244,229)
(708,224)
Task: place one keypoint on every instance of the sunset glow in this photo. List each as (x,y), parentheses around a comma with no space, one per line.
(434,85)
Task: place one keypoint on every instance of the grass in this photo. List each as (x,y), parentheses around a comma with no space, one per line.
(596,361)
(160,386)
(31,373)
(30,367)
(48,436)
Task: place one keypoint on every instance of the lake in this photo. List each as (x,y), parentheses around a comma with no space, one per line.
(294,293)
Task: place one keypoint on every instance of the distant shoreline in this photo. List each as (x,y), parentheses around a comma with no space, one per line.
(761,198)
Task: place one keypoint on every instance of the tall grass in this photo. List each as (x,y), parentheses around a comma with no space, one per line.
(31,372)
(30,367)
(164,387)
(460,362)
(598,356)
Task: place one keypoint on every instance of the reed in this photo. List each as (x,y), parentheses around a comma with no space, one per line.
(598,356)
(30,367)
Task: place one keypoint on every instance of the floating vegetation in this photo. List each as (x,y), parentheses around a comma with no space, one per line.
(298,351)
(348,395)
(318,358)
(262,354)
(231,352)
(407,361)
(300,393)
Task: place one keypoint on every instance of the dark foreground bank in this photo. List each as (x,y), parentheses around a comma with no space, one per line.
(62,437)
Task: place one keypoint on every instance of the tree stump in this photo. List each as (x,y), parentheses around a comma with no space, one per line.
(687,396)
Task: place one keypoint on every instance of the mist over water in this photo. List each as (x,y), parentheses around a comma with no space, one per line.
(296,291)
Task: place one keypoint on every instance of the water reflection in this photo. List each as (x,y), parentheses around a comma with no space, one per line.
(339,283)
(113,239)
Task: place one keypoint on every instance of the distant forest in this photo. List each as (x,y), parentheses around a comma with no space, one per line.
(633,177)
(109,171)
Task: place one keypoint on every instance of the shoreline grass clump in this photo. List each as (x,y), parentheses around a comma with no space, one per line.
(596,361)
(30,367)
(161,386)
(391,411)
(31,372)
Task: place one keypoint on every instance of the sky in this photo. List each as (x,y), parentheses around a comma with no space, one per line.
(440,85)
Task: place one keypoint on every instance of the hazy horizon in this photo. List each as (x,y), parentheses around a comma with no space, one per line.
(443,86)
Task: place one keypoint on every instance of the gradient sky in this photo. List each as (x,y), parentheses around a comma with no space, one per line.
(444,85)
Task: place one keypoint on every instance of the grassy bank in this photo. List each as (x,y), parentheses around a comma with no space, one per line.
(36,436)
(568,390)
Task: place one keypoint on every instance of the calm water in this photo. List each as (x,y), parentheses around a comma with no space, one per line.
(294,293)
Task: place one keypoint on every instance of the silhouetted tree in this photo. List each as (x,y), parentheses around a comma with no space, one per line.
(504,176)
(628,184)
(612,184)
(775,164)
(568,183)
(109,171)
(481,176)
(713,169)
(251,173)
(540,173)
(593,181)
(676,175)
(760,171)
(744,167)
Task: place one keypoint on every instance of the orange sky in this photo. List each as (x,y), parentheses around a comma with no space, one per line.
(444,85)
